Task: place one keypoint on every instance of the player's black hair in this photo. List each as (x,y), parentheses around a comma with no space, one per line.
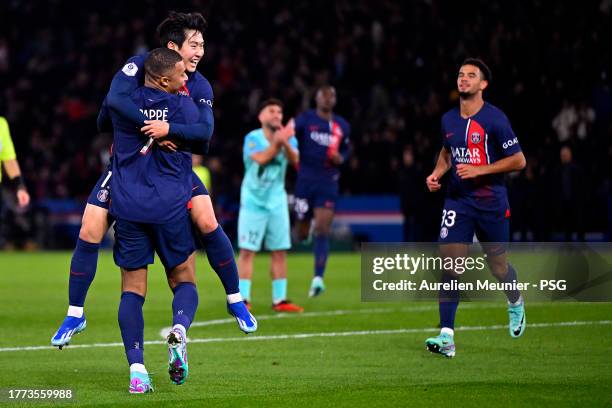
(174,26)
(161,61)
(484,69)
(270,101)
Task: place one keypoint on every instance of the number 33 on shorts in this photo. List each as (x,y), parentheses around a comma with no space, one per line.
(448,220)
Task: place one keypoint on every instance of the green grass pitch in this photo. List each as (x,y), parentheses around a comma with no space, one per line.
(340,352)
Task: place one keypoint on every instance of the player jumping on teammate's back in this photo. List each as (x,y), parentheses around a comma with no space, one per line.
(151,188)
(479,146)
(264,212)
(323,137)
(182,32)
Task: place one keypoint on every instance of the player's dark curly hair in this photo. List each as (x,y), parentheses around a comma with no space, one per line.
(174,26)
(161,61)
(484,69)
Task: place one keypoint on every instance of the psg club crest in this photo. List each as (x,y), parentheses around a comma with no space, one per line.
(443,232)
(102,195)
(475,137)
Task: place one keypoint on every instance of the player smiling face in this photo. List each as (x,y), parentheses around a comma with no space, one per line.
(184,33)
(192,49)
(470,81)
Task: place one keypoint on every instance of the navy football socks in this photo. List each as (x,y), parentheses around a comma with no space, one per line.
(82,271)
(513,295)
(220,255)
(448,302)
(184,304)
(131,323)
(321,252)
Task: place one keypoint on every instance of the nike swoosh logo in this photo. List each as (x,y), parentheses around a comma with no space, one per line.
(222,264)
(518,331)
(448,135)
(77,273)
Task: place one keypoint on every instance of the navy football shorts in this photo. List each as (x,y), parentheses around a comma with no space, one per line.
(198,187)
(135,243)
(311,194)
(460,221)
(100,194)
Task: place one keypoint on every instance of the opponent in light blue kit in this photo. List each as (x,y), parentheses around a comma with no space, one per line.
(264,212)
(479,147)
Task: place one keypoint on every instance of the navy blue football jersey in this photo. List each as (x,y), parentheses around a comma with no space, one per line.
(318,139)
(148,184)
(481,139)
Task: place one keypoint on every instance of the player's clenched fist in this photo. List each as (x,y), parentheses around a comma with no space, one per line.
(433,182)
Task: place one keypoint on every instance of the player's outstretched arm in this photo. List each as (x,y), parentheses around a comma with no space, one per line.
(197,135)
(199,132)
(442,166)
(511,163)
(119,95)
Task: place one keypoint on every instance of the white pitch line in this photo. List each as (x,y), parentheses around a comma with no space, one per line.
(324,334)
(165,330)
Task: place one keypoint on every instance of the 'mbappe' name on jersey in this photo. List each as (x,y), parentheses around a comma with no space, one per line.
(322,138)
(156,114)
(466,155)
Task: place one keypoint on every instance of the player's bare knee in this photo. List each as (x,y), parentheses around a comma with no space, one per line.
(321,231)
(184,272)
(203,214)
(499,269)
(302,230)
(134,281)
(278,256)
(94,224)
(322,227)
(206,223)
(246,255)
(91,234)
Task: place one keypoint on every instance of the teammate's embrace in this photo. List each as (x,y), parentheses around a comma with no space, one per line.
(479,146)
(182,32)
(151,188)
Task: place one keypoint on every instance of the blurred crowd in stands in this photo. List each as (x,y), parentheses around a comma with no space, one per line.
(393,63)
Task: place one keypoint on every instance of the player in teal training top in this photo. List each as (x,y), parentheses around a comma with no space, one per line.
(264,212)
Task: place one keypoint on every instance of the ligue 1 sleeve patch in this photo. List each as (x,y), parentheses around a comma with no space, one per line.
(130,69)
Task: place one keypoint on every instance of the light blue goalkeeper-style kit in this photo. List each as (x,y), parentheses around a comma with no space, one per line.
(264,212)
